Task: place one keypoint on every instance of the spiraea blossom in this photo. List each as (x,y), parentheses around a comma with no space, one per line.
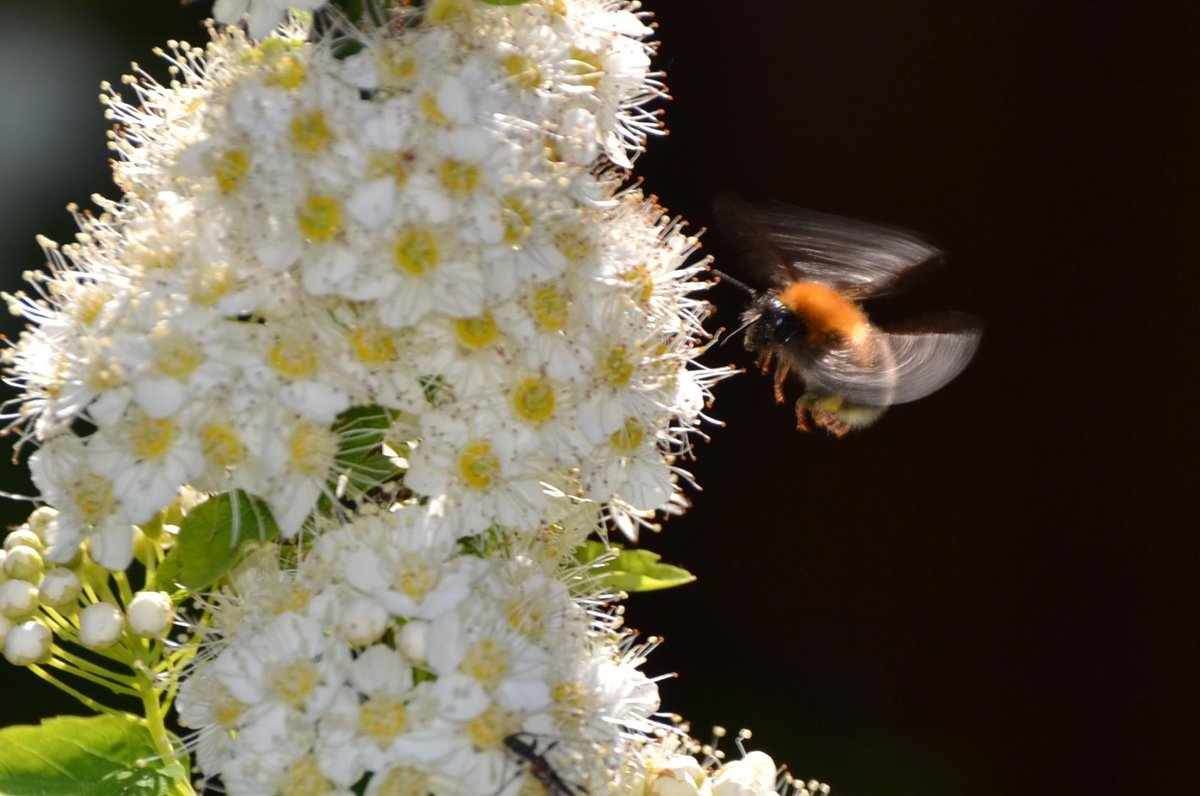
(375,309)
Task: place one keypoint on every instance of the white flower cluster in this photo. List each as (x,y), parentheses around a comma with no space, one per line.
(405,240)
(425,226)
(388,653)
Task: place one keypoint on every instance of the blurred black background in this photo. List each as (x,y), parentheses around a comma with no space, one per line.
(991,592)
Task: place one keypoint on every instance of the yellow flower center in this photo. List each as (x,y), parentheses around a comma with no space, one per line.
(294,356)
(573,244)
(414,576)
(628,438)
(402,782)
(312,448)
(399,63)
(550,308)
(533,399)
(309,132)
(440,12)
(210,283)
(642,283)
(458,176)
(175,355)
(320,218)
(476,332)
(92,496)
(293,681)
(487,662)
(392,164)
(287,72)
(523,71)
(478,465)
(229,169)
(374,344)
(383,719)
(416,251)
(222,446)
(489,729)
(89,302)
(151,438)
(304,778)
(517,219)
(429,107)
(102,375)
(227,708)
(616,368)
(587,66)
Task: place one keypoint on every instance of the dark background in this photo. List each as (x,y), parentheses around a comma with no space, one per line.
(993,590)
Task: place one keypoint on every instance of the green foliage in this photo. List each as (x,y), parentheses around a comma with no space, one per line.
(631,570)
(70,755)
(360,453)
(209,538)
(505,2)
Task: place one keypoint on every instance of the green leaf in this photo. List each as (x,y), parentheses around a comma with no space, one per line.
(362,431)
(210,535)
(632,570)
(71,755)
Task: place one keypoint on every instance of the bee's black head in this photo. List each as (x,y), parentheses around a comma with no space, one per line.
(770,324)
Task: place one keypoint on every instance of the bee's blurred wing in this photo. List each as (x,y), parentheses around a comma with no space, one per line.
(906,363)
(782,244)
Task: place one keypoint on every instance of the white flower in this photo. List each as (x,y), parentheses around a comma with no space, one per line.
(264,14)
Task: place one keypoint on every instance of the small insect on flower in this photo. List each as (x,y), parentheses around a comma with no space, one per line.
(539,768)
(809,321)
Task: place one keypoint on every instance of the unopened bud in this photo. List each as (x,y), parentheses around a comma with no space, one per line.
(100,625)
(28,642)
(150,614)
(411,640)
(363,622)
(24,536)
(18,598)
(60,588)
(40,519)
(24,562)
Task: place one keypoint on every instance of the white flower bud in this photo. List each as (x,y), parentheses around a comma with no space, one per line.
(363,622)
(18,598)
(27,643)
(60,588)
(681,775)
(24,536)
(150,614)
(411,640)
(24,562)
(753,775)
(40,519)
(667,785)
(100,625)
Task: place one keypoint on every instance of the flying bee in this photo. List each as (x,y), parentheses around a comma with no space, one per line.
(810,322)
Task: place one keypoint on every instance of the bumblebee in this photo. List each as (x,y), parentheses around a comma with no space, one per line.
(808,320)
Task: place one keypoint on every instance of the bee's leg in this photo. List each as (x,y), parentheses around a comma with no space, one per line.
(802,415)
(781,373)
(827,420)
(764,361)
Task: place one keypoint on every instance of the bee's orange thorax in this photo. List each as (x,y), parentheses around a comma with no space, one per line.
(826,311)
